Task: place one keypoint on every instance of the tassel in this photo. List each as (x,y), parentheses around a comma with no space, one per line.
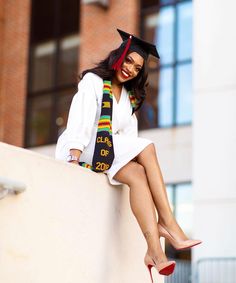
(117,64)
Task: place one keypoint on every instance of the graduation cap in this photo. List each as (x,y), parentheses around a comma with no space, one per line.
(135,44)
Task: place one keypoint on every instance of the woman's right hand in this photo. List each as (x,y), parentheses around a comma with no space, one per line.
(74,162)
(76,153)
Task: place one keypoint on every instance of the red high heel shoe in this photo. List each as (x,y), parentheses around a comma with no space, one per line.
(164,268)
(178,245)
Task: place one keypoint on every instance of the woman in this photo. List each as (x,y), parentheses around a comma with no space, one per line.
(102,135)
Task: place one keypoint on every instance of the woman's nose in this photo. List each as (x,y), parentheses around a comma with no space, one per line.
(130,69)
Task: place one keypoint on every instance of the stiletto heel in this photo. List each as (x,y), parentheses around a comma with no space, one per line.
(163,268)
(178,245)
(149,268)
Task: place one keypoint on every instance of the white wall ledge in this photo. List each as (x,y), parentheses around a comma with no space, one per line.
(69,225)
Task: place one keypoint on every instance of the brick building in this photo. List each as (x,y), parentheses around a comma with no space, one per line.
(45,44)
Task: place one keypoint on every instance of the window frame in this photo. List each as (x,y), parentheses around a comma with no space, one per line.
(152,10)
(56,87)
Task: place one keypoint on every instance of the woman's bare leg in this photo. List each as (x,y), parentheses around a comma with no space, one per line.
(148,158)
(133,174)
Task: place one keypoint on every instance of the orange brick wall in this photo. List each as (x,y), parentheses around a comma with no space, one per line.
(14,35)
(1,62)
(97,23)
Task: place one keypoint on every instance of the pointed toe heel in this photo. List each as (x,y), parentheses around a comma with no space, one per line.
(178,245)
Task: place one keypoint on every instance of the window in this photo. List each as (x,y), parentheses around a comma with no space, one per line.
(180,197)
(168,24)
(53,68)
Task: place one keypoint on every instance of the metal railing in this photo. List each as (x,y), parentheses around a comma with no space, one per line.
(206,270)
(182,273)
(216,270)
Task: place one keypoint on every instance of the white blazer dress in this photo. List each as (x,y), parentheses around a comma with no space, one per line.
(81,130)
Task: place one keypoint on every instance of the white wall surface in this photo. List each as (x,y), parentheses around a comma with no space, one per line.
(214,130)
(69,226)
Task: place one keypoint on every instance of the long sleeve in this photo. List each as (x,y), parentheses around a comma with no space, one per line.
(82,114)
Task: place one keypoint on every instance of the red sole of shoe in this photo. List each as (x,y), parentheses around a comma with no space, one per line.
(167,270)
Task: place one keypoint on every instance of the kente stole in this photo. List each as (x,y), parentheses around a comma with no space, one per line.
(104,152)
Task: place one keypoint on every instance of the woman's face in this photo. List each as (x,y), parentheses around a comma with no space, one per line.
(130,68)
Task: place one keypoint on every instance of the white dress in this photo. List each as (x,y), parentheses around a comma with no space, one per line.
(82,124)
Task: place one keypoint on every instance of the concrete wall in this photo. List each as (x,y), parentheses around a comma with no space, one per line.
(214,131)
(69,226)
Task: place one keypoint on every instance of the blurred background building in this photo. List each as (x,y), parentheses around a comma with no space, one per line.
(189,112)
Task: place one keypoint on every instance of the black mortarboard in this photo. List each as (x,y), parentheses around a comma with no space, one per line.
(133,43)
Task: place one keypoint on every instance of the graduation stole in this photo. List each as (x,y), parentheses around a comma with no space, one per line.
(104,152)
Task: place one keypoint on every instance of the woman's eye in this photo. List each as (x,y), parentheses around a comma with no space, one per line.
(128,60)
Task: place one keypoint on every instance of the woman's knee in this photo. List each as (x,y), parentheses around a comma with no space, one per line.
(138,171)
(130,173)
(151,148)
(149,151)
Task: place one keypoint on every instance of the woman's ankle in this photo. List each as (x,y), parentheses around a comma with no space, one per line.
(157,255)
(167,221)
(173,228)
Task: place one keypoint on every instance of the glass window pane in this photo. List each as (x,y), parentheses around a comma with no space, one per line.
(159,29)
(184,33)
(163,2)
(149,3)
(164,37)
(68,62)
(69,13)
(154,3)
(64,101)
(42,20)
(165,98)
(184,94)
(53,65)
(148,115)
(43,61)
(170,194)
(40,117)
(150,26)
(184,207)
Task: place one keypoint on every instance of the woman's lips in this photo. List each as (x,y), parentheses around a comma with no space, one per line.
(124,74)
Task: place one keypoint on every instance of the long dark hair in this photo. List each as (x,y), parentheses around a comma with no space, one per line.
(104,70)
